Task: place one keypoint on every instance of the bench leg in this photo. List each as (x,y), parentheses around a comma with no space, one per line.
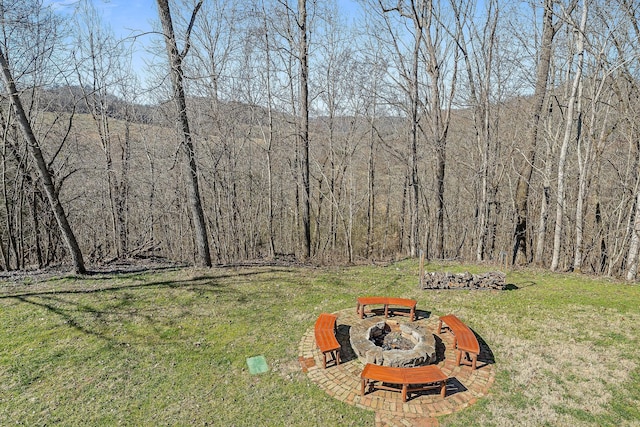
(412,314)
(335,356)
(363,386)
(404,392)
(470,359)
(439,327)
(443,389)
(362,311)
(386,311)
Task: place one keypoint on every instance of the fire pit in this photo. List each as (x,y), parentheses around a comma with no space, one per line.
(391,343)
(383,336)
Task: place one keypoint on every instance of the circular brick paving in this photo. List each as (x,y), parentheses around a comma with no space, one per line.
(464,386)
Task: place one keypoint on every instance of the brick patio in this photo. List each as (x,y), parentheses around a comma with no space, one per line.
(464,387)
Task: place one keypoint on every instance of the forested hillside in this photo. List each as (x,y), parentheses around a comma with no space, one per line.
(489,130)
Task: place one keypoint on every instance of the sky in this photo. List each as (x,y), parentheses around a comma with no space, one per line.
(127,16)
(124,16)
(135,17)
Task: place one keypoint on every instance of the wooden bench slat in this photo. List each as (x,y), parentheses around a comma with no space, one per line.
(326,340)
(410,379)
(387,302)
(402,301)
(372,300)
(325,334)
(464,339)
(468,342)
(326,321)
(452,322)
(424,374)
(382,373)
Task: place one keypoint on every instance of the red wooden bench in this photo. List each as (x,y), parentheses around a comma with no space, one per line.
(465,340)
(388,303)
(402,302)
(410,379)
(325,332)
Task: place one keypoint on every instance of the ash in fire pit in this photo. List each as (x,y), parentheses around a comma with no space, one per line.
(391,339)
(393,344)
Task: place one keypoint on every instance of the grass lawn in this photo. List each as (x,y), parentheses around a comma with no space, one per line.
(170,348)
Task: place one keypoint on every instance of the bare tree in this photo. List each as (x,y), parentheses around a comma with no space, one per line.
(269,134)
(45,174)
(631,13)
(429,47)
(175,63)
(478,56)
(372,88)
(303,58)
(598,128)
(439,108)
(551,138)
(574,108)
(418,16)
(100,60)
(549,30)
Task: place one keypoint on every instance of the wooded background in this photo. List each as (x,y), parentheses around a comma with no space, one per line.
(490,130)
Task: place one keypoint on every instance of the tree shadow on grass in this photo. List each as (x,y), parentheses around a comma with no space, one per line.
(118,304)
(200,282)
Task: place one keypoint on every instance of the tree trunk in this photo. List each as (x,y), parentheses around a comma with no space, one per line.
(413,147)
(36,228)
(526,171)
(304,129)
(175,61)
(585,162)
(45,174)
(269,139)
(440,173)
(574,104)
(480,84)
(440,114)
(634,246)
(544,208)
(122,200)
(371,206)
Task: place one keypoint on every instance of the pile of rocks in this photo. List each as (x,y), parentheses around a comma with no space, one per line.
(494,280)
